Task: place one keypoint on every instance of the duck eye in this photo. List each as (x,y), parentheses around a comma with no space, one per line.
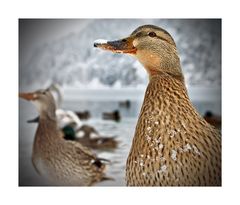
(152,34)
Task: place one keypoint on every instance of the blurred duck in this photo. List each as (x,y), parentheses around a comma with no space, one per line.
(115,116)
(173,145)
(61,162)
(97,142)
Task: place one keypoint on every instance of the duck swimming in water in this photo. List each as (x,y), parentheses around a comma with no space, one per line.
(99,142)
(173,145)
(115,116)
(62,162)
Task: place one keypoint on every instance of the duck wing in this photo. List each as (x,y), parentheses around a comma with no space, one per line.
(85,151)
(89,157)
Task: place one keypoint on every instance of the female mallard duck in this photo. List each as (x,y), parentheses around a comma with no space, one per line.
(61,162)
(173,145)
(98,142)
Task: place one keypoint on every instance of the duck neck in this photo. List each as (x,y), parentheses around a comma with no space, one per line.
(166,63)
(49,115)
(175,75)
(163,109)
(47,128)
(165,96)
(165,85)
(163,68)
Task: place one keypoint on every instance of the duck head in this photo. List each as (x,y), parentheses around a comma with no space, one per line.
(152,46)
(43,100)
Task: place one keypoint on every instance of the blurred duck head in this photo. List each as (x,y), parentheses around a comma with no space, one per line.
(42,99)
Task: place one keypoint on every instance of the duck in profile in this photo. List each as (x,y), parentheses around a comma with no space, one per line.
(62,162)
(173,145)
(99,142)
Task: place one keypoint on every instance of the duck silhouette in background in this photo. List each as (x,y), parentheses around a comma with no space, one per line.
(115,115)
(62,162)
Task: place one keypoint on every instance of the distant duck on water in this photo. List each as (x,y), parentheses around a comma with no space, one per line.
(173,145)
(98,142)
(114,115)
(62,162)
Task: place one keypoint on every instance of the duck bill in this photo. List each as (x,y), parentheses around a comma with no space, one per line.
(28,96)
(34,120)
(119,46)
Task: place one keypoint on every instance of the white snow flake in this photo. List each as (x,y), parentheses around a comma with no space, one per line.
(100,41)
(187,147)
(174,155)
(163,169)
(196,150)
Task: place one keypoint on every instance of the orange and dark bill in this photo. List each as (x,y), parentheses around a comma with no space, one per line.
(119,46)
(28,96)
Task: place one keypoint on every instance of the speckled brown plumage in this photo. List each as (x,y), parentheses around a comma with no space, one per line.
(173,145)
(61,162)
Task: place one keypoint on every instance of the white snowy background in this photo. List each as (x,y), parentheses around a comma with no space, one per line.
(65,54)
(61,51)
